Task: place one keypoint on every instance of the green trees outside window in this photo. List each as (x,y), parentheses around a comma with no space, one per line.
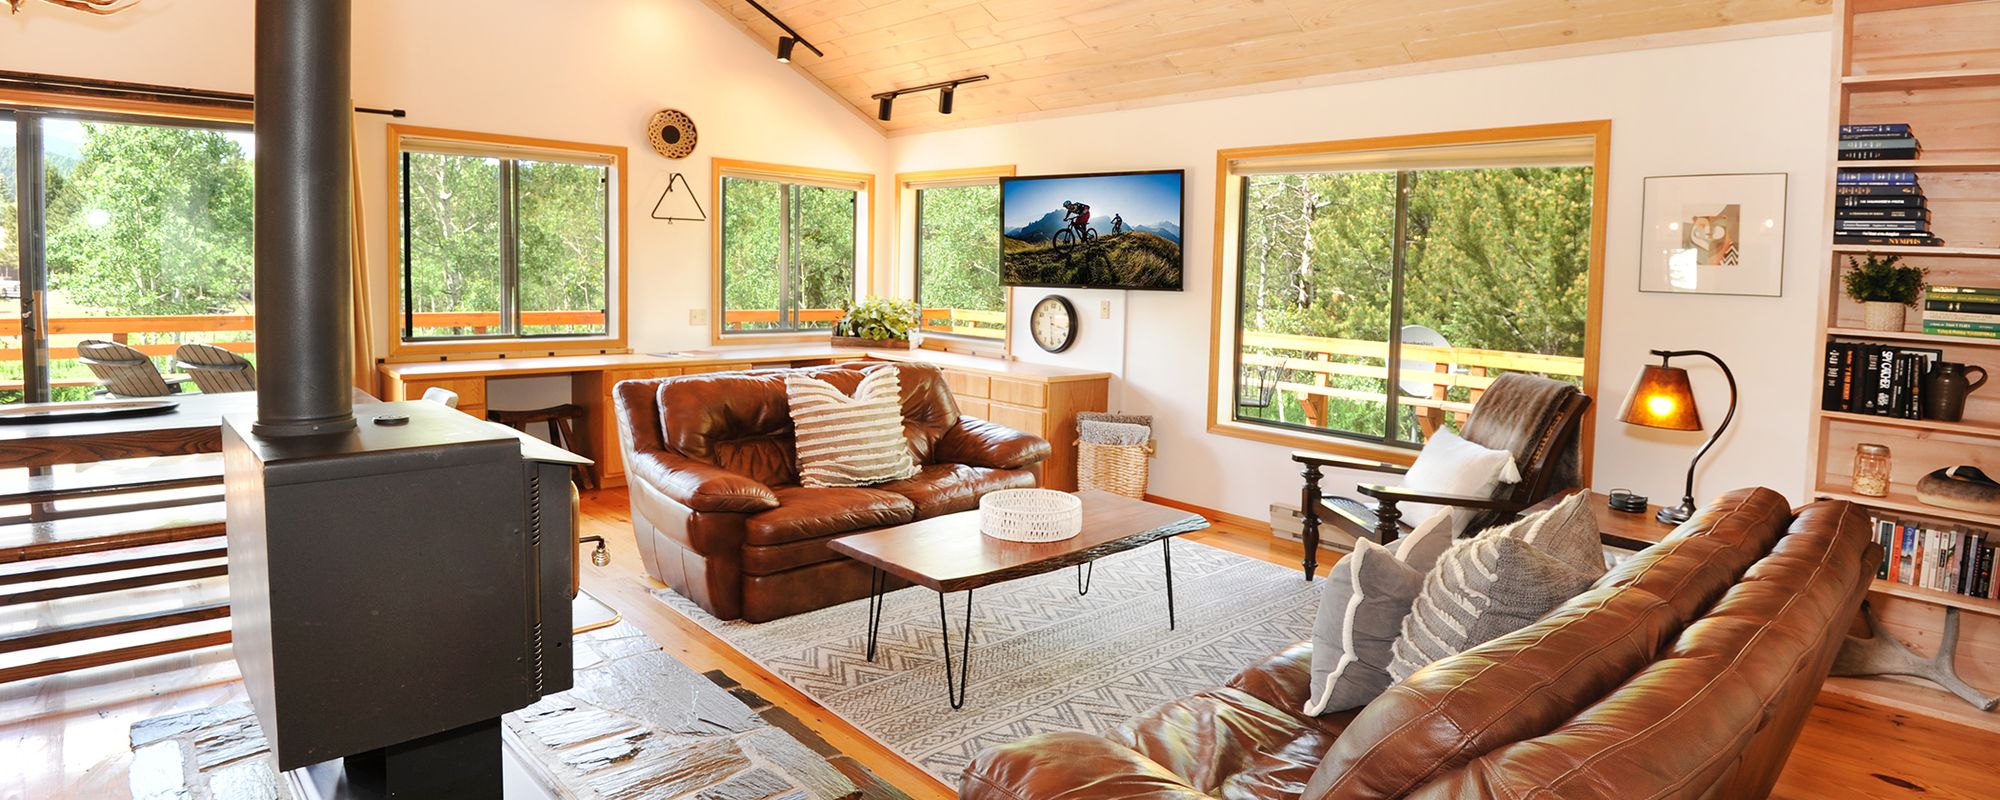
(958,261)
(788,254)
(1337,270)
(501,247)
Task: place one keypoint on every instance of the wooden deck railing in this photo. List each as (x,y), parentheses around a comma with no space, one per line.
(1454,368)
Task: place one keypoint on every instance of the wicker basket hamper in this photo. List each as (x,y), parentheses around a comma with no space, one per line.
(1114,453)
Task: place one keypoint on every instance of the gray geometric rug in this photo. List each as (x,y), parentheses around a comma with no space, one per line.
(1043,658)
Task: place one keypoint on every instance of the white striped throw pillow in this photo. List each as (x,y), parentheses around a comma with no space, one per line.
(849,441)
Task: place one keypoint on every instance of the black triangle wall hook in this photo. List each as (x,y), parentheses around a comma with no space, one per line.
(700,215)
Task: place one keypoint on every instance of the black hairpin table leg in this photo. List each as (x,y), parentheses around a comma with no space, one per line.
(876,583)
(1167,552)
(956,695)
(1084,572)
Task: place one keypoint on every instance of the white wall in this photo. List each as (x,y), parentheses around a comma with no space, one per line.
(589,72)
(1755,105)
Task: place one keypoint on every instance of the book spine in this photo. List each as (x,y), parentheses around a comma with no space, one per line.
(1845,212)
(1870,201)
(1974,293)
(1878,189)
(1895,555)
(1878,143)
(1896,154)
(1866,226)
(1979,318)
(1990,306)
(1986,588)
(1905,240)
(1960,325)
(1884,531)
(1829,392)
(1877,129)
(1930,328)
(1910,554)
(1890,178)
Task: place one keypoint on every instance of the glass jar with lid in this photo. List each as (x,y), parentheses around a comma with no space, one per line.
(1871,470)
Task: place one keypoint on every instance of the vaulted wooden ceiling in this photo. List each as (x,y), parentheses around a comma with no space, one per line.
(1050,55)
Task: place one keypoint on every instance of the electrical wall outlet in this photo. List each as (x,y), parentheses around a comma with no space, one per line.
(697,316)
(1103,309)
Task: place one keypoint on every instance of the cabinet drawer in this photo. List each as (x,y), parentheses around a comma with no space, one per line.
(975,407)
(1026,420)
(1020,393)
(471,391)
(966,384)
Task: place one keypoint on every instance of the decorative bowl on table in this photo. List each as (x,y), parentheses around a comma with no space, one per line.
(1030,515)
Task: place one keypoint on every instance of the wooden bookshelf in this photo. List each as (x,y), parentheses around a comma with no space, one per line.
(1934,64)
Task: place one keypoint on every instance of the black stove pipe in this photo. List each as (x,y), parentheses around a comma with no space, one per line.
(305,307)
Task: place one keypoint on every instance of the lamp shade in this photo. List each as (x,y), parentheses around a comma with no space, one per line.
(1662,398)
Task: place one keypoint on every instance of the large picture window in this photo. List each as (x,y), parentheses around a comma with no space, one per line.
(1377,293)
(504,240)
(957,258)
(790,245)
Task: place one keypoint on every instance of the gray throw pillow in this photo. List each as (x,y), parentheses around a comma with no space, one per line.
(1360,615)
(1482,588)
(1568,531)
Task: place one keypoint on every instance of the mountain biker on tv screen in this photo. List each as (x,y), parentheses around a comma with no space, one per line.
(1117,224)
(1078,215)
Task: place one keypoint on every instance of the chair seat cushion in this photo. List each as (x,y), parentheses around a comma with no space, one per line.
(1229,744)
(810,513)
(951,488)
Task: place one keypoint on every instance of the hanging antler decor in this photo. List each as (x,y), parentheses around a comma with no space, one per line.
(98,7)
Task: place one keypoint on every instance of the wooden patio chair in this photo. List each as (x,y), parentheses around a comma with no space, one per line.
(214,369)
(124,371)
(1534,418)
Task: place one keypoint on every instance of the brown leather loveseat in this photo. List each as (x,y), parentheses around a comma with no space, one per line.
(1685,672)
(716,503)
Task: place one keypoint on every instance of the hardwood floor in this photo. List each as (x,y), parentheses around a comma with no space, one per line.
(65,736)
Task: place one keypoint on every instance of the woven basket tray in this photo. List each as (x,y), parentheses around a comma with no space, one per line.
(1030,515)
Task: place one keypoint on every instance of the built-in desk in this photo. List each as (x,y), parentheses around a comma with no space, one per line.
(1036,398)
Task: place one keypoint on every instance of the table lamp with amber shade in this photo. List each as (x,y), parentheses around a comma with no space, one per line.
(1662,398)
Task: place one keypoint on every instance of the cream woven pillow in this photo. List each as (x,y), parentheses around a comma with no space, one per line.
(849,441)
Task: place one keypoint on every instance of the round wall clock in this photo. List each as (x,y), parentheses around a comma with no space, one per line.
(672,133)
(1053,323)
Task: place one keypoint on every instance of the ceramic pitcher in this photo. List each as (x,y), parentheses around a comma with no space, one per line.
(1945,388)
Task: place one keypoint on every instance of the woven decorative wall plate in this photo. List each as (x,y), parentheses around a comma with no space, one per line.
(672,133)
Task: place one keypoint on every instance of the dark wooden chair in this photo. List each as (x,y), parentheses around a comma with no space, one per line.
(562,421)
(1534,418)
(214,369)
(123,371)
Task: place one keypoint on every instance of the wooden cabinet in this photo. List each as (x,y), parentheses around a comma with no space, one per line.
(593,392)
(471,392)
(1043,407)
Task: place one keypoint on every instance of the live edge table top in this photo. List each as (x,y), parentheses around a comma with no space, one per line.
(948,553)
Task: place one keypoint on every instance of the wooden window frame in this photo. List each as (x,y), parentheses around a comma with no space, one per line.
(907,280)
(1228,221)
(613,340)
(864,267)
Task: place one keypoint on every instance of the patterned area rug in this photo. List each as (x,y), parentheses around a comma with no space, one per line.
(1043,658)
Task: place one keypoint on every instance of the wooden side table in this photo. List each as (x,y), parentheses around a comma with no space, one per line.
(1621,529)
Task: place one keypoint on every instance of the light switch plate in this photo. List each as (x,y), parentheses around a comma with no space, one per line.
(697,316)
(1103,309)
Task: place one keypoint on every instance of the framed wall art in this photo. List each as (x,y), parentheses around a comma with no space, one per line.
(1714,234)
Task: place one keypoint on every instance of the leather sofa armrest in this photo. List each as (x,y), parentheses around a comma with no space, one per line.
(699,486)
(979,443)
(1069,766)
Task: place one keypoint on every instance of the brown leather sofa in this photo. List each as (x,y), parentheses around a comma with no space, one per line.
(1687,671)
(716,503)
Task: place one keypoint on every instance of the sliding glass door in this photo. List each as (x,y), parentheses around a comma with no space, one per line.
(127,230)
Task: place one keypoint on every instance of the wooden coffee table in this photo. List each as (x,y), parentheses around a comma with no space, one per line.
(948,554)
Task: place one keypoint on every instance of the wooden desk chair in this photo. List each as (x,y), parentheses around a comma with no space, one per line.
(562,421)
(123,370)
(1534,418)
(214,369)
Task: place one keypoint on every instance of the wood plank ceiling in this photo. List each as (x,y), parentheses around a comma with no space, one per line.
(1047,55)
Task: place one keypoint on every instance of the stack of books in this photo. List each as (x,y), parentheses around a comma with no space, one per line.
(1883,380)
(1962,311)
(1931,555)
(1877,142)
(1881,208)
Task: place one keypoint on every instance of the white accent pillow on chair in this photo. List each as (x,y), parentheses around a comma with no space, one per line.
(1449,464)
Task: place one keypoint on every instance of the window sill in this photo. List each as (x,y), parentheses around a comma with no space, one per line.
(775,337)
(1332,445)
(474,348)
(964,345)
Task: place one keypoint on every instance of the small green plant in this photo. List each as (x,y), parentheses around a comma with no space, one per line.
(879,318)
(1883,279)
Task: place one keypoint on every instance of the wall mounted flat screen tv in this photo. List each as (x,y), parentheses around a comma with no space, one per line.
(1111,230)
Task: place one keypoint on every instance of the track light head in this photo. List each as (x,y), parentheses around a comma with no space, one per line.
(882,110)
(944,99)
(785,45)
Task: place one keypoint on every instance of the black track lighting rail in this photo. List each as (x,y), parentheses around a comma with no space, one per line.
(785,51)
(946,90)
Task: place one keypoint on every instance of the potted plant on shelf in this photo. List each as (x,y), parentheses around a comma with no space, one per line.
(877,322)
(1884,288)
